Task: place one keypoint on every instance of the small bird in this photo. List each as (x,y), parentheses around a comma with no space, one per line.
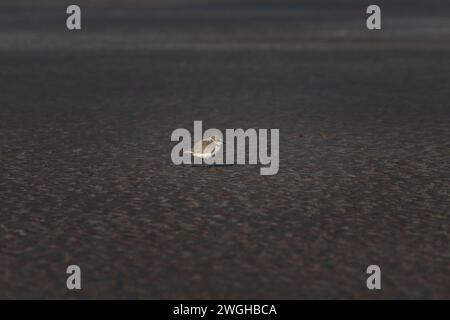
(206,148)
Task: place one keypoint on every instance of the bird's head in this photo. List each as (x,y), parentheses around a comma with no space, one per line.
(215,139)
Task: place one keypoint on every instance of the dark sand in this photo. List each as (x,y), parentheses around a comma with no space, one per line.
(86,176)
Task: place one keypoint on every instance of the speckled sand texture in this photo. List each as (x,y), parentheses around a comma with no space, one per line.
(86,176)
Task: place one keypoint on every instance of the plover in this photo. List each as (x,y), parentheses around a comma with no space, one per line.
(206,148)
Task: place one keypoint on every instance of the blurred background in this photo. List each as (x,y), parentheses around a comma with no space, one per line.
(86,176)
(220,25)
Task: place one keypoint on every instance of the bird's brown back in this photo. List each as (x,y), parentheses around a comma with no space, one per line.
(204,144)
